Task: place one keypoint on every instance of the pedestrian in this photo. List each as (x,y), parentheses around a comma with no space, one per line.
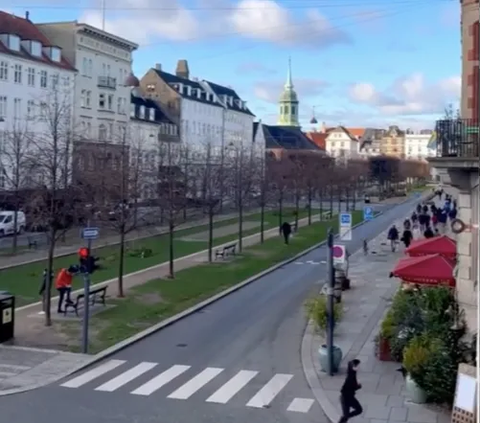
(43,286)
(452,214)
(419,208)
(407,224)
(286,231)
(407,237)
(414,218)
(63,284)
(428,233)
(425,209)
(434,220)
(350,387)
(393,237)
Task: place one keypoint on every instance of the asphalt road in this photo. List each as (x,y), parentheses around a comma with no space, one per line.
(236,361)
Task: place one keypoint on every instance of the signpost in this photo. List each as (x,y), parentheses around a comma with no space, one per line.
(367,213)
(345,225)
(88,234)
(331,300)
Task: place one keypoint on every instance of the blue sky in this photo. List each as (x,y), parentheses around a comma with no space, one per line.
(358,62)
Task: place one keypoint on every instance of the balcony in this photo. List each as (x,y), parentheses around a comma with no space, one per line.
(107,82)
(457,144)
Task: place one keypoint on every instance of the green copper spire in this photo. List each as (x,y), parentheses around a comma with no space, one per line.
(288,102)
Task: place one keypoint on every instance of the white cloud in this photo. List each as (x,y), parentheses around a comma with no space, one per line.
(411,95)
(267,20)
(253,67)
(270,91)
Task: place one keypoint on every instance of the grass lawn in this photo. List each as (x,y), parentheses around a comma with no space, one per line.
(24,281)
(159,299)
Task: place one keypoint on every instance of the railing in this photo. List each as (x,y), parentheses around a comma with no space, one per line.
(107,82)
(457,138)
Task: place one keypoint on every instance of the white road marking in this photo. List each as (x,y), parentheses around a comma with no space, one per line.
(161,380)
(232,387)
(300,405)
(14,367)
(93,374)
(266,395)
(193,385)
(299,262)
(128,376)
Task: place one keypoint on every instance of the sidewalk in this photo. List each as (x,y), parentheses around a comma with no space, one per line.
(29,256)
(382,395)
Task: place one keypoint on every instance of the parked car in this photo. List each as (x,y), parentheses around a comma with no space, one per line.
(7,223)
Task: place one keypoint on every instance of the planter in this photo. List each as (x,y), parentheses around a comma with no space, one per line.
(416,394)
(345,284)
(384,351)
(323,358)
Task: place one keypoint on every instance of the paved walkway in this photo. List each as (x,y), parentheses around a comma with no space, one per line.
(382,394)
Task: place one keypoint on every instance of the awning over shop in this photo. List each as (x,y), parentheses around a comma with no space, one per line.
(442,245)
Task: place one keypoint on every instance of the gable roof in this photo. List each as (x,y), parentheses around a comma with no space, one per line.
(319,138)
(195,86)
(221,91)
(27,31)
(288,138)
(356,132)
(139,101)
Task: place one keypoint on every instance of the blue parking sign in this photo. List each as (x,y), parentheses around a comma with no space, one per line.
(367,213)
(346,218)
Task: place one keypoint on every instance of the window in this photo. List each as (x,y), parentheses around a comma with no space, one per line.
(101,101)
(142,112)
(104,69)
(55,81)
(85,66)
(31,77)
(89,129)
(108,70)
(43,111)
(151,88)
(294,110)
(17,108)
(43,79)
(36,48)
(14,43)
(132,110)
(102,132)
(90,67)
(18,74)
(66,81)
(3,106)
(88,99)
(83,98)
(110,102)
(3,71)
(152,114)
(56,54)
(119,105)
(30,109)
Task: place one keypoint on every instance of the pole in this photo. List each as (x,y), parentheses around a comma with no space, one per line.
(331,304)
(86,302)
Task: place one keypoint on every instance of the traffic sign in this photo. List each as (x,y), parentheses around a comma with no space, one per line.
(90,233)
(345,226)
(367,213)
(339,254)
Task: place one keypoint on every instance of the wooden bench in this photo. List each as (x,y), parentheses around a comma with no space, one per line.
(33,242)
(226,251)
(94,295)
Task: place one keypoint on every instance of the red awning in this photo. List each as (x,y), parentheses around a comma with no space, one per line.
(442,245)
(433,269)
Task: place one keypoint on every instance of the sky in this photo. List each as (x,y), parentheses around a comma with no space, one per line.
(356,63)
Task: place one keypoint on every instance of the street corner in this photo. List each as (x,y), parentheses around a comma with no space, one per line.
(24,369)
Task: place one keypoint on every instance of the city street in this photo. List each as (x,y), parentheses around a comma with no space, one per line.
(236,361)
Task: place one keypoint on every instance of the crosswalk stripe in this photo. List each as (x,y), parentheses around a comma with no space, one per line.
(232,387)
(93,374)
(158,381)
(266,395)
(193,385)
(124,378)
(300,405)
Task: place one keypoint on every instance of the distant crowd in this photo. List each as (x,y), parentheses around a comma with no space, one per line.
(426,219)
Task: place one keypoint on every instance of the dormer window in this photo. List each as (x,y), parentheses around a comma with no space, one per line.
(35,48)
(152,114)
(199,93)
(132,110)
(230,101)
(142,112)
(56,54)
(14,42)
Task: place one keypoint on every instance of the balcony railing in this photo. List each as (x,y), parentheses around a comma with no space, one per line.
(107,82)
(457,138)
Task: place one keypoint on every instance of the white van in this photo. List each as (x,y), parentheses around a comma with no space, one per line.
(7,221)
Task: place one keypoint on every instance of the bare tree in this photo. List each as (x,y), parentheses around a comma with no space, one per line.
(262,186)
(279,171)
(15,164)
(53,202)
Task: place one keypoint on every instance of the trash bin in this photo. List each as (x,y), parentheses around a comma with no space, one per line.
(7,316)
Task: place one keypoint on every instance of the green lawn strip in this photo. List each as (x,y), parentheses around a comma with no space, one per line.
(24,281)
(159,299)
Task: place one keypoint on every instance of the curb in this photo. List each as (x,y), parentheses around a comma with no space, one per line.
(173,319)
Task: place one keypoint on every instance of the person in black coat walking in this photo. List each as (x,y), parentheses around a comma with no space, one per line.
(286,231)
(348,391)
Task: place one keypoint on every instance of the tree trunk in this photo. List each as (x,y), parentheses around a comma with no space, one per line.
(121,261)
(347,200)
(309,206)
(210,233)
(331,199)
(280,213)
(262,222)
(297,208)
(240,223)
(354,199)
(339,198)
(48,285)
(320,199)
(15,224)
(171,251)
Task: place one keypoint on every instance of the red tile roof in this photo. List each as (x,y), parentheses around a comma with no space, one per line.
(319,138)
(356,132)
(26,30)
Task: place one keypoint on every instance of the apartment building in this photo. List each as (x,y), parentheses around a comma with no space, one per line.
(417,145)
(104,62)
(371,141)
(393,142)
(342,143)
(36,86)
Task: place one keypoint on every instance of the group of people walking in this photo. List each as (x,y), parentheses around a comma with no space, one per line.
(426,220)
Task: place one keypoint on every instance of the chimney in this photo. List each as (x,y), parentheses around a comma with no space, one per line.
(182,70)
(27,15)
(323,128)
(158,66)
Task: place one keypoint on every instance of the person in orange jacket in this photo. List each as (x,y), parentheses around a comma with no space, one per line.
(63,284)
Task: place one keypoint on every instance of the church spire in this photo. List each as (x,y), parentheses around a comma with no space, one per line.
(288,101)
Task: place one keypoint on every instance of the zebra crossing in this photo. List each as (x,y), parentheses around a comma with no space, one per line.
(113,375)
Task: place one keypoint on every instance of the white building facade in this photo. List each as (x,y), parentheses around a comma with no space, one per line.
(341,145)
(416,146)
(104,63)
(36,87)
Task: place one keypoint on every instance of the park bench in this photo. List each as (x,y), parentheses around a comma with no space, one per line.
(34,241)
(94,295)
(226,251)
